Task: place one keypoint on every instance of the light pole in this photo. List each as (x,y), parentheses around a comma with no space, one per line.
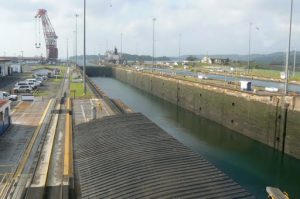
(154,19)
(121,52)
(121,43)
(76,16)
(286,105)
(22,54)
(67,52)
(84,47)
(288,53)
(179,48)
(294,68)
(249,45)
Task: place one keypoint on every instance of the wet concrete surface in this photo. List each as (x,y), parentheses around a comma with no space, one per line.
(25,118)
(82,110)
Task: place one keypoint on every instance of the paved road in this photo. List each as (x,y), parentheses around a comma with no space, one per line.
(25,118)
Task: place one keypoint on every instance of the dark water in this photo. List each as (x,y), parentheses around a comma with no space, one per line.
(251,164)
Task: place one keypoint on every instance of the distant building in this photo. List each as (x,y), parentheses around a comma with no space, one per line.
(220,61)
(5,119)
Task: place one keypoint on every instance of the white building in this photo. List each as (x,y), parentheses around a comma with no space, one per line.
(5,69)
(16,68)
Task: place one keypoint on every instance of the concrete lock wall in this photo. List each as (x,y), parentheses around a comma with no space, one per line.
(258,117)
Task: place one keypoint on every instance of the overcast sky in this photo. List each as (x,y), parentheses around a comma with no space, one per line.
(206,26)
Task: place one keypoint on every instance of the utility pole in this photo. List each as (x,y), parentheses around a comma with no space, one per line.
(154,19)
(294,69)
(76,31)
(84,46)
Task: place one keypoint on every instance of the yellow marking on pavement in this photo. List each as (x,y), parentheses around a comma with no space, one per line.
(68,150)
(31,143)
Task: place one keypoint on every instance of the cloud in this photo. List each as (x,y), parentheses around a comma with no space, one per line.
(206,26)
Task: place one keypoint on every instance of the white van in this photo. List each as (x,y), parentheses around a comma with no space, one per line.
(7,96)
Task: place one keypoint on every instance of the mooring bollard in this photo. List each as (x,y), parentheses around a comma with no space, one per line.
(94,112)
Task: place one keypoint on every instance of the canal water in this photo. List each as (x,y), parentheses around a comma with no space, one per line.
(250,163)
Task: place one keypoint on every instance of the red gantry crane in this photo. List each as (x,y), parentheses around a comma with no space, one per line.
(49,34)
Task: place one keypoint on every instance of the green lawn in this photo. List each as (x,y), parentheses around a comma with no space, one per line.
(77,90)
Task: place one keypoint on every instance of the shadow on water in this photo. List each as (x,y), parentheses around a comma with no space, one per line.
(250,163)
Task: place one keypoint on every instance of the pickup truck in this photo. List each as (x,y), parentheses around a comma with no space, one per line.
(7,96)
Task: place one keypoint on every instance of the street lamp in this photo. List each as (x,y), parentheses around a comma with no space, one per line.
(286,105)
(154,19)
(76,16)
(84,47)
(22,54)
(179,48)
(294,68)
(67,52)
(249,45)
(288,52)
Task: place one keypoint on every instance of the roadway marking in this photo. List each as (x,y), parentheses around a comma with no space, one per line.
(83,114)
(15,108)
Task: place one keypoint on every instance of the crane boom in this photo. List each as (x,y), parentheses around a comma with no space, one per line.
(49,34)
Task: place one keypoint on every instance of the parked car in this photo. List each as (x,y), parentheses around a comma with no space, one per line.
(22,83)
(7,96)
(23,88)
(33,85)
(40,79)
(36,82)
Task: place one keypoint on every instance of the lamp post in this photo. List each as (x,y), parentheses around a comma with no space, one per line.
(22,54)
(121,50)
(288,53)
(76,16)
(67,52)
(154,19)
(179,48)
(286,105)
(249,44)
(84,46)
(294,68)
